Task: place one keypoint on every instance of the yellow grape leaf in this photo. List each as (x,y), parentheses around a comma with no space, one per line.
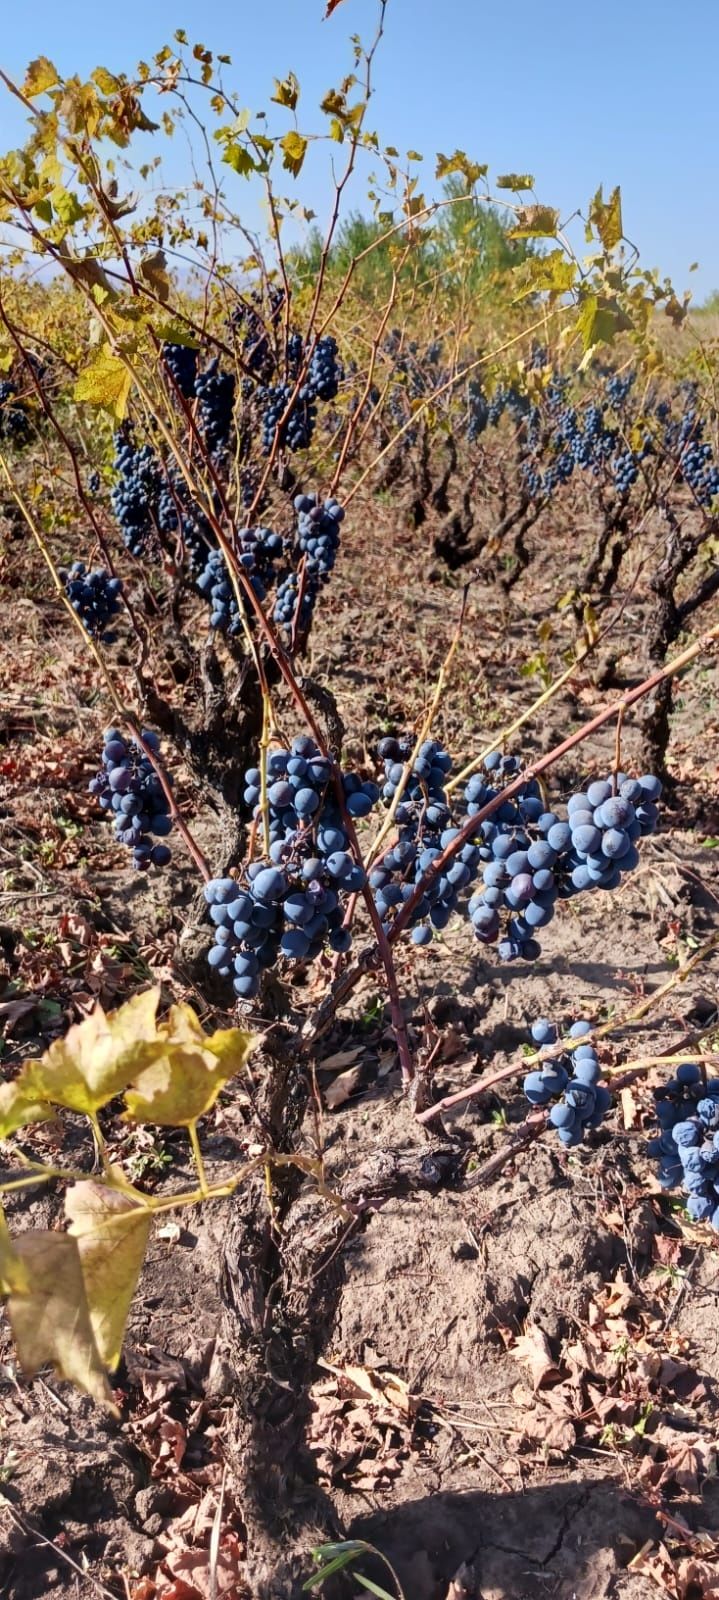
(293,146)
(106,382)
(287,91)
(111,1233)
(515,180)
(13,1276)
(17,1105)
(182,1026)
(97,1058)
(535,222)
(231,1047)
(106,82)
(185,1072)
(41,75)
(153,271)
(607,217)
(50,1321)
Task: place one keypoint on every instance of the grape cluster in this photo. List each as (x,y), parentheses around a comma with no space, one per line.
(477,410)
(214,584)
(286,601)
(294,352)
(569,1082)
(14,424)
(318,533)
(497,406)
(424,821)
(318,537)
(249,484)
(687,1148)
(533,858)
(625,472)
(557,437)
(532,480)
(94,595)
(698,467)
(257,356)
(136,493)
(618,388)
(292,903)
(323,376)
(296,433)
(529,857)
(249,319)
(419,370)
(128,786)
(181,363)
(215,392)
(176,512)
(258,550)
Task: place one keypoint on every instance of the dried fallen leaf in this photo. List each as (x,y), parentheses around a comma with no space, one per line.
(384,1387)
(155,1372)
(194,1569)
(12,1010)
(171,1233)
(667,1250)
(532,1349)
(338,1092)
(697,1577)
(340,1059)
(556,1434)
(463,1585)
(630,1109)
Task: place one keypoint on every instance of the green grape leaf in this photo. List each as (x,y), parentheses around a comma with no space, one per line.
(111,1233)
(50,1318)
(185,1071)
(98,1057)
(600,320)
(106,382)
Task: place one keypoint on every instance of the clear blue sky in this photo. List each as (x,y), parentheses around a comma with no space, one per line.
(620,92)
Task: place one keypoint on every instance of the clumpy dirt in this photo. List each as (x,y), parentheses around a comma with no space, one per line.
(504,1377)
